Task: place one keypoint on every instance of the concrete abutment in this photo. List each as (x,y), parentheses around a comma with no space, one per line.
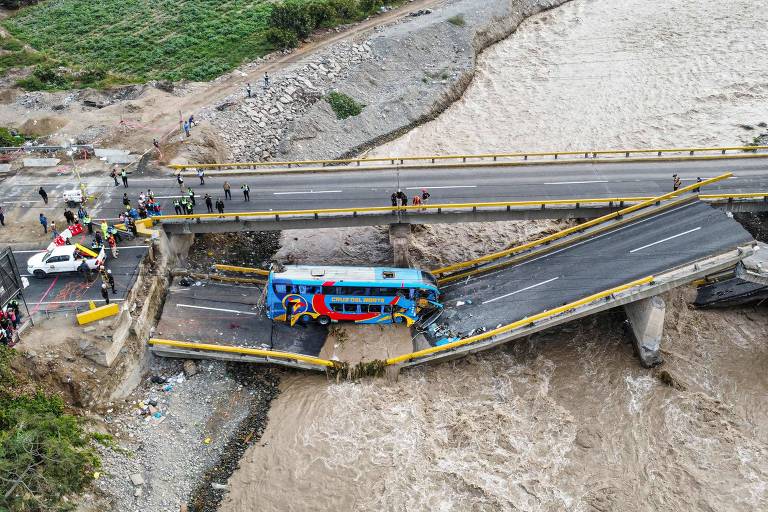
(400,238)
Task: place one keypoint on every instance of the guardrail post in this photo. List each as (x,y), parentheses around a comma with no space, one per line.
(525,157)
(316,216)
(237,218)
(494,158)
(610,204)
(197,220)
(555,156)
(439,210)
(509,208)
(723,152)
(586,155)
(658,154)
(594,155)
(433,160)
(474,209)
(277,218)
(691,153)
(626,154)
(577,205)
(543,206)
(358,163)
(401,161)
(354,214)
(392,162)
(621,204)
(289,165)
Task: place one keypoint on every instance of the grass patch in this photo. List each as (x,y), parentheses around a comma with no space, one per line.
(343,105)
(457,20)
(140,40)
(14,139)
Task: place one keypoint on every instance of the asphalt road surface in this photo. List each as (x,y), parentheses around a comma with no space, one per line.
(227,314)
(70,290)
(644,248)
(357,188)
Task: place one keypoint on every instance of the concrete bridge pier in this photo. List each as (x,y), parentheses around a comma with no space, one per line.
(400,238)
(646,319)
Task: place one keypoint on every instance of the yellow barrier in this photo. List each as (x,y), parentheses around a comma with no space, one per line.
(94,314)
(243,351)
(244,270)
(580,227)
(464,158)
(444,206)
(86,251)
(520,323)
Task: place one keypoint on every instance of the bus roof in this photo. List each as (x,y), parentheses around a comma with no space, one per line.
(349,274)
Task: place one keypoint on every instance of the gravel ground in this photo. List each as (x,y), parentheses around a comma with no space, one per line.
(199,417)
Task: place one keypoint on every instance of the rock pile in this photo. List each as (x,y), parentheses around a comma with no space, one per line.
(253,127)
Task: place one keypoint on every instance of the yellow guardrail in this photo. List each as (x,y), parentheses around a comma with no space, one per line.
(580,227)
(243,270)
(443,206)
(243,351)
(482,156)
(520,323)
(99,313)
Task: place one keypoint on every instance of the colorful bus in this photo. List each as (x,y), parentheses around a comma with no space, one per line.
(301,293)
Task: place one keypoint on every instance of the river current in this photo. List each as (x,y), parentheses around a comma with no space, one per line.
(567,420)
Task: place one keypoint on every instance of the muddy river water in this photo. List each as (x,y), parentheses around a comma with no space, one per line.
(567,420)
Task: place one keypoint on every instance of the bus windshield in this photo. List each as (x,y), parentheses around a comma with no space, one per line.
(354,294)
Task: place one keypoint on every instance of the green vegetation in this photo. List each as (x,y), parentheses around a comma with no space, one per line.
(8,139)
(81,43)
(343,105)
(45,454)
(457,20)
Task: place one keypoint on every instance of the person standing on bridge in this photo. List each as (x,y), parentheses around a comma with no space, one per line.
(393,197)
(191,194)
(201,175)
(227,192)
(416,200)
(424,196)
(113,175)
(675,182)
(219,205)
(43,194)
(180,181)
(177,207)
(124,177)
(209,203)
(246,192)
(402,198)
(88,223)
(105,293)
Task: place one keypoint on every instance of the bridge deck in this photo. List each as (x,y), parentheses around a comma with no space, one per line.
(646,247)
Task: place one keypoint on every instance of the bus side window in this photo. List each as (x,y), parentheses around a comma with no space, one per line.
(360,291)
(370,308)
(350,308)
(329,290)
(290,288)
(386,292)
(279,288)
(337,307)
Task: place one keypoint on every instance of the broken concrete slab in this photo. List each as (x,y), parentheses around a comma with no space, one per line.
(105,152)
(400,239)
(646,318)
(137,479)
(121,159)
(5,168)
(40,162)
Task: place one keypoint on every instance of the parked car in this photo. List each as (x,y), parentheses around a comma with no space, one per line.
(66,258)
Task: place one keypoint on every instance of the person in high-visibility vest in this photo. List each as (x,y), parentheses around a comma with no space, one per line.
(104,228)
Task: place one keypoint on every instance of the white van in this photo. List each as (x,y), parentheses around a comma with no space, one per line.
(66,258)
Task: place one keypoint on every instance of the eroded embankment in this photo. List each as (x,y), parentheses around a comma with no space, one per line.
(419,68)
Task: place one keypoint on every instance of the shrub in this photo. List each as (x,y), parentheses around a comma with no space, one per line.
(343,105)
(7,377)
(282,38)
(293,16)
(44,452)
(457,20)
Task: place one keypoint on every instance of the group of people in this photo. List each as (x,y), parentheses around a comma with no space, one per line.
(10,318)
(123,176)
(249,91)
(147,206)
(400,198)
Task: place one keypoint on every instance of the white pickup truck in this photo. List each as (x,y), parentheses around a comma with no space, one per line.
(66,258)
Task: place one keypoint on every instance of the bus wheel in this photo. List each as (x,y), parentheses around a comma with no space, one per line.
(323,320)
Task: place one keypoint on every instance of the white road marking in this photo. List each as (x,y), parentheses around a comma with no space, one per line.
(119,247)
(218,309)
(308,192)
(445,186)
(522,290)
(575,182)
(665,239)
